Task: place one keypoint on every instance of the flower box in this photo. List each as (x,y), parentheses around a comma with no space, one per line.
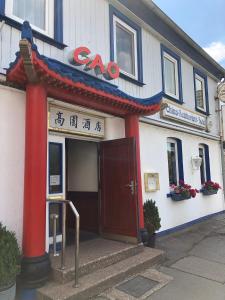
(180,197)
(208,192)
(210,188)
(182,191)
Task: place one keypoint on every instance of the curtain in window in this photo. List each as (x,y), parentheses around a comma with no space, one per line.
(172,163)
(199,93)
(32,11)
(125,49)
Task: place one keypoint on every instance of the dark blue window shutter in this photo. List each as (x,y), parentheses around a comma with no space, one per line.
(180,159)
(207,163)
(58,21)
(2,7)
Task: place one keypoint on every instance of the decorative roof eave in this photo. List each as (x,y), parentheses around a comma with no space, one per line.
(69,84)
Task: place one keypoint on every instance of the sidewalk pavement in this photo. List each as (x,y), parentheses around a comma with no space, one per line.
(195,262)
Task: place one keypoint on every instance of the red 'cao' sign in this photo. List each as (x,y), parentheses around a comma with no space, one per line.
(80,56)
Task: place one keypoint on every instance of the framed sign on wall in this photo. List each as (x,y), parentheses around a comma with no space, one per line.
(151,182)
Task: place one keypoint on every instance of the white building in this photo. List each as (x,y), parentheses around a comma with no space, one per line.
(48,99)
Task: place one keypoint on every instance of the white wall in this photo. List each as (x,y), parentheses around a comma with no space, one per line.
(82,166)
(114,128)
(12,129)
(154,159)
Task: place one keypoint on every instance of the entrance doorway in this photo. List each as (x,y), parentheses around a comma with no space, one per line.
(82,181)
(100,179)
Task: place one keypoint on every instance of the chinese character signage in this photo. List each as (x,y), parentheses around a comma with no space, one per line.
(65,120)
(182,115)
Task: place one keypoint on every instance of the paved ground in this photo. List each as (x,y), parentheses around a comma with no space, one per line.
(194,268)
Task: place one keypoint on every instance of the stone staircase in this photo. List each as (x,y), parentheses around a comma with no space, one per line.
(102,264)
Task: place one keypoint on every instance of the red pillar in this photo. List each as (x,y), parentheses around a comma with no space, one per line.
(132,130)
(35,265)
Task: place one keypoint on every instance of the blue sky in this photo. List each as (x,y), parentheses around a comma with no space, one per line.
(202,20)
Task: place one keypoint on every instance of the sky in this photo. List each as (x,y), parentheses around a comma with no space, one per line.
(202,20)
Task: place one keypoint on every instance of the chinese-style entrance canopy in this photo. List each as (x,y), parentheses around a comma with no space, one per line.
(69,84)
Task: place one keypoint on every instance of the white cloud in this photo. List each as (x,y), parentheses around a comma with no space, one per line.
(216,50)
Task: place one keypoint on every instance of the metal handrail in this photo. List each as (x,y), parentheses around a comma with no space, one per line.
(77,238)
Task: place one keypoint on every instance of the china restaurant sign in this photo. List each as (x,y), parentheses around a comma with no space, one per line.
(182,115)
(82,57)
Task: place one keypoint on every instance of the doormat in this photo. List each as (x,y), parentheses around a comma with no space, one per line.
(137,286)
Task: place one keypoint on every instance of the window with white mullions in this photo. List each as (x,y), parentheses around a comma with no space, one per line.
(39,13)
(172,161)
(200,92)
(171,65)
(125,47)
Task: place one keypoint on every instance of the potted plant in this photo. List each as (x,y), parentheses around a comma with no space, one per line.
(9,263)
(152,221)
(210,188)
(182,191)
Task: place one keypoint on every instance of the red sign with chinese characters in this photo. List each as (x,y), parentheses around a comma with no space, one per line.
(80,56)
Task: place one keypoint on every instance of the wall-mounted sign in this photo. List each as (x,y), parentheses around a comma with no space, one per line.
(182,115)
(73,122)
(151,182)
(80,56)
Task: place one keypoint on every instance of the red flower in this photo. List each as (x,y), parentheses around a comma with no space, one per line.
(210,185)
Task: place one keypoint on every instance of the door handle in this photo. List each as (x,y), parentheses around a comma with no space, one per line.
(132,186)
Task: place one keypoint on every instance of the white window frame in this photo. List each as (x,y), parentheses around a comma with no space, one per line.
(134,32)
(49,17)
(203,161)
(173,60)
(200,78)
(174,141)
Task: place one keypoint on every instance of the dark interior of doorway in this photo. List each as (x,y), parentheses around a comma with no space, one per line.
(82,188)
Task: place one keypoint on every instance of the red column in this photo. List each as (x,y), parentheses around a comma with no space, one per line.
(34,217)
(132,130)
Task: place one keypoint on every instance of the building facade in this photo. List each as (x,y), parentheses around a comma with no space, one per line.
(73,126)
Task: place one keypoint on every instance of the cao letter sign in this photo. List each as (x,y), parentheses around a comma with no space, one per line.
(80,56)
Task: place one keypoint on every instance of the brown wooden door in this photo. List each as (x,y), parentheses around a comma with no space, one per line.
(119,209)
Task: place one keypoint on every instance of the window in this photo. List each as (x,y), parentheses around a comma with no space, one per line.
(45,17)
(171,72)
(39,13)
(125,46)
(201,93)
(175,160)
(55,168)
(202,167)
(205,165)
(172,162)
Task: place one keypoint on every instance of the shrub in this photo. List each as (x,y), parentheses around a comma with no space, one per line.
(151,217)
(9,257)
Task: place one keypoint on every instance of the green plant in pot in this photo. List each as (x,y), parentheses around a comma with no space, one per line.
(9,263)
(152,221)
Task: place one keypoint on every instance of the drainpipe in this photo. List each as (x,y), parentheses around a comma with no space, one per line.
(221,132)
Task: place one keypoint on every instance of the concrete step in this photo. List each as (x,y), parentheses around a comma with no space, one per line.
(87,267)
(93,284)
